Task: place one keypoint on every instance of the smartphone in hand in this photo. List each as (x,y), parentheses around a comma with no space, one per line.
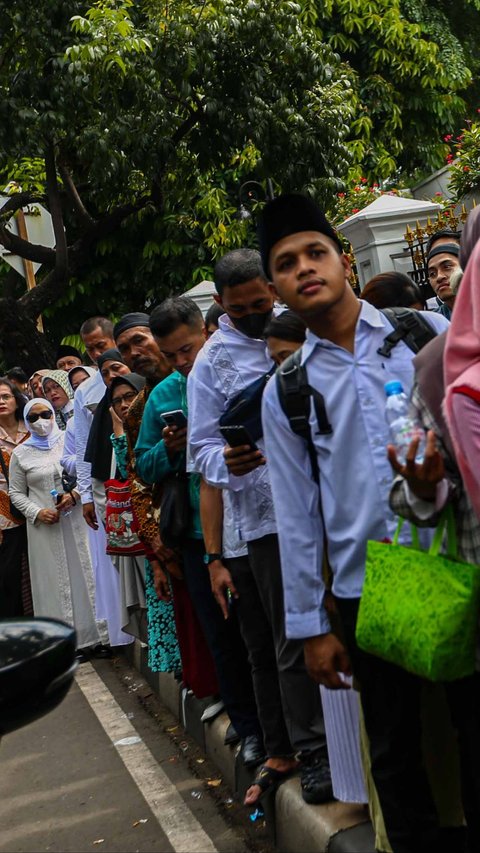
(175,418)
(237,436)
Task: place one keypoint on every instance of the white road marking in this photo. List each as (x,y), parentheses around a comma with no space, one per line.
(181,827)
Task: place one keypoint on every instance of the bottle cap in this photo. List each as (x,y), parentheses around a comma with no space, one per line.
(394,387)
(53,493)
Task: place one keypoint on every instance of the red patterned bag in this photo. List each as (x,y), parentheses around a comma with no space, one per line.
(121,525)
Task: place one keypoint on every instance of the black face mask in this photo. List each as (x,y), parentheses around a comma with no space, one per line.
(253,325)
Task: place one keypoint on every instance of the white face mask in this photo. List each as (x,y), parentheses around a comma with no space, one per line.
(41,427)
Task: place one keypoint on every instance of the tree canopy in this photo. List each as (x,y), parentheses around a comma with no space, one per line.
(139,119)
(136,123)
(412,64)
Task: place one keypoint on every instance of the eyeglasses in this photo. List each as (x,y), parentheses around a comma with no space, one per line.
(4,398)
(46,415)
(125,398)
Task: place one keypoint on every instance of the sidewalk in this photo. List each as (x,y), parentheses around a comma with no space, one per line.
(294,825)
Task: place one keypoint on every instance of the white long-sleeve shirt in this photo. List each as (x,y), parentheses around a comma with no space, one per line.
(87,398)
(69,457)
(355,475)
(229,362)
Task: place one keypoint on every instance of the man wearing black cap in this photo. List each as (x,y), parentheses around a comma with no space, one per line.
(288,703)
(67,357)
(140,351)
(302,255)
(97,336)
(138,347)
(442,262)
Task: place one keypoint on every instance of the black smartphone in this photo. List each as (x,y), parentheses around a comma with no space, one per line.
(237,436)
(175,418)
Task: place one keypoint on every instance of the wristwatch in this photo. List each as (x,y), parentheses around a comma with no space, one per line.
(211,558)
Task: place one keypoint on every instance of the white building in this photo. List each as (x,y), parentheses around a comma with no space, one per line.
(377,234)
(202,294)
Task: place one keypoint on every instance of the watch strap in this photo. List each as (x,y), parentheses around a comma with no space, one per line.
(211,558)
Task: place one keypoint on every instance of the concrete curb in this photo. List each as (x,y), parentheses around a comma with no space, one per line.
(294,825)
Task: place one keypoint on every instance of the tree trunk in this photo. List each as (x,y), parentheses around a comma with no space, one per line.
(22,344)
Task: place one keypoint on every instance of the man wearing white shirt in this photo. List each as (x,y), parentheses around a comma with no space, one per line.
(303,256)
(97,335)
(288,702)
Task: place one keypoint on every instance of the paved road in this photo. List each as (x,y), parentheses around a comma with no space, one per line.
(100,774)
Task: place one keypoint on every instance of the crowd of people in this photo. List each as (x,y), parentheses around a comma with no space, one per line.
(169,491)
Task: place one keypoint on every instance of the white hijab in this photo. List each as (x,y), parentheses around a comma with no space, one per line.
(41,442)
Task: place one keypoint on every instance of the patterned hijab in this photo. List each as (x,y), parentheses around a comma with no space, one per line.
(42,372)
(61,378)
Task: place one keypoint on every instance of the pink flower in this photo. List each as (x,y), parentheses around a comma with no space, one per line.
(448,137)
(438,194)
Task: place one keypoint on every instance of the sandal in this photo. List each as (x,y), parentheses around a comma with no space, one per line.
(267,778)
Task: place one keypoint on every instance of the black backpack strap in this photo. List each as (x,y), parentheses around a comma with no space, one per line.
(408,326)
(294,393)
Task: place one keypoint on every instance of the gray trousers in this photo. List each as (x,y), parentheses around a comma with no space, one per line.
(288,701)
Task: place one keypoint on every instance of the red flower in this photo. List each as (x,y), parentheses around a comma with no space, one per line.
(448,137)
(341,195)
(466,168)
(449,158)
(363,180)
(355,210)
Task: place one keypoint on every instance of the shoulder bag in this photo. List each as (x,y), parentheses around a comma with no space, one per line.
(419,609)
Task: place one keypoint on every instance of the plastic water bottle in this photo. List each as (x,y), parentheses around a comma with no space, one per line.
(56,497)
(403,427)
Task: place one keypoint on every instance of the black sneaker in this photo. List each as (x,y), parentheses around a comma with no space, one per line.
(102,652)
(315,777)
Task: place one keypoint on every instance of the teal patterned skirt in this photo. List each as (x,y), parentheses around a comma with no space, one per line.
(163,652)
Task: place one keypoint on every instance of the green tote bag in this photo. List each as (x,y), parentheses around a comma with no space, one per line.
(419,609)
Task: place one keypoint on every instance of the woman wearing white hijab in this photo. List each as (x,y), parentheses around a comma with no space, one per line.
(60,565)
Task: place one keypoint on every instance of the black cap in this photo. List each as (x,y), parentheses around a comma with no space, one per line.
(129,321)
(66,349)
(290,214)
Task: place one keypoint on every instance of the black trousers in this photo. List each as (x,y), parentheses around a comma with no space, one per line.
(463,698)
(288,701)
(224,641)
(391,702)
(12,550)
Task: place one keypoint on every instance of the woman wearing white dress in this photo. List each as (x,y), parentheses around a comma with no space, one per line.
(60,565)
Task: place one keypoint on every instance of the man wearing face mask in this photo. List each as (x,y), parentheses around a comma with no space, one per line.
(288,701)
